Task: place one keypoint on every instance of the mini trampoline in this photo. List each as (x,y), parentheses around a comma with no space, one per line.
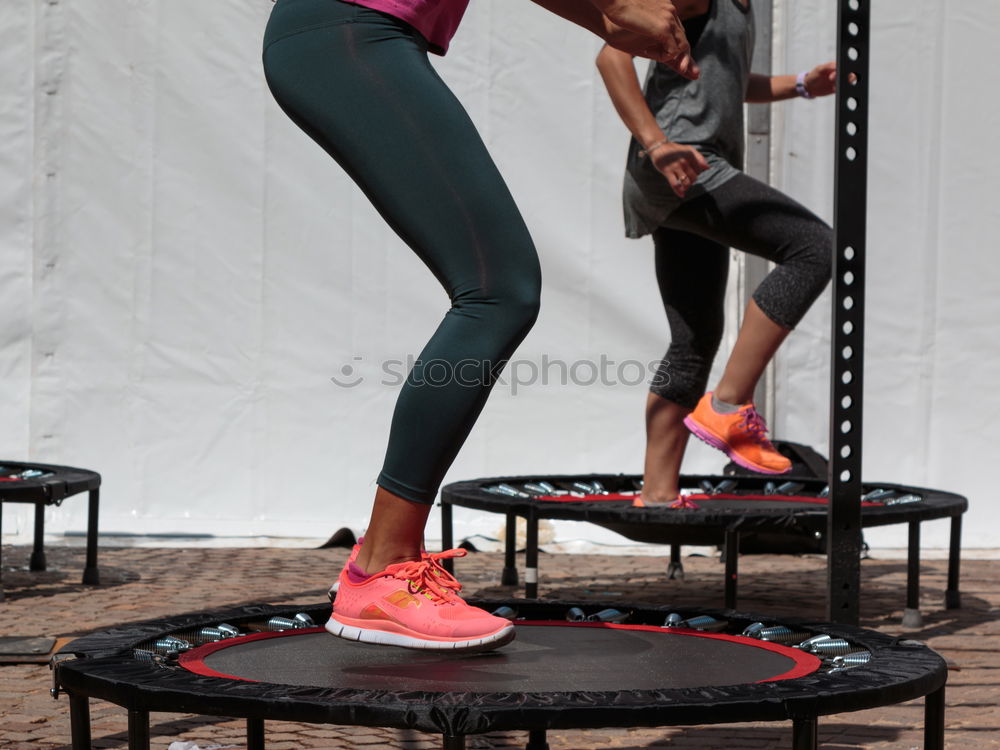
(627,666)
(47,484)
(730,509)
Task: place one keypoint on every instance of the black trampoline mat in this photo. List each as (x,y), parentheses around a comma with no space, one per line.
(543,658)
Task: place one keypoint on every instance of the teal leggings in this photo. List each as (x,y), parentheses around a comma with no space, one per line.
(359,83)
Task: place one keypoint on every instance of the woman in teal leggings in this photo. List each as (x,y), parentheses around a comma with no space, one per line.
(356,78)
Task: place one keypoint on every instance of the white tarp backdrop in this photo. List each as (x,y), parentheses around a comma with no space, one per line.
(183,272)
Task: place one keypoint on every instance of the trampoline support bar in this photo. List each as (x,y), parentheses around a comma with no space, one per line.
(804,734)
(79,721)
(91,574)
(37,562)
(934,720)
(138,729)
(255,734)
(531,556)
(911,615)
(509,575)
(537,740)
(952,596)
(731,552)
(447,536)
(675,569)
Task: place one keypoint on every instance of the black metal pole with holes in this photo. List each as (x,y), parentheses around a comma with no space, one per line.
(847,350)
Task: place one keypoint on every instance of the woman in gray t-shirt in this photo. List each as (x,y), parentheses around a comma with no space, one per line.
(684,185)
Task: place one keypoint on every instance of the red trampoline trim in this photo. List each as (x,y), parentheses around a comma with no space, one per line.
(611,496)
(805,664)
(194,660)
(698,497)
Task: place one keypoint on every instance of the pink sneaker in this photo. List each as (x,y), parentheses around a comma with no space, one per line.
(434,558)
(741,435)
(413,606)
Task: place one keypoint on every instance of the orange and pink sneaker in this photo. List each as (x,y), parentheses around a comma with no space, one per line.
(413,605)
(434,558)
(741,435)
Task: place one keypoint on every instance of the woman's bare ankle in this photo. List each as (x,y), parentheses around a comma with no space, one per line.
(376,560)
(658,496)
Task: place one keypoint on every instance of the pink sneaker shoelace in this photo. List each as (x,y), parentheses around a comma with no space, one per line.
(422,578)
(444,577)
(755,426)
(684,502)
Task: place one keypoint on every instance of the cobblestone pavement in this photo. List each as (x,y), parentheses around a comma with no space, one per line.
(146,583)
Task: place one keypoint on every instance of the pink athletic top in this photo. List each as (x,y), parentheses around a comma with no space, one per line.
(437,20)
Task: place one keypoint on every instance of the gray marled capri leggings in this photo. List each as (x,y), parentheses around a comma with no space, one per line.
(692,262)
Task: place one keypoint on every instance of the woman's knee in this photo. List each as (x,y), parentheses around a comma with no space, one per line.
(517,305)
(812,251)
(507,309)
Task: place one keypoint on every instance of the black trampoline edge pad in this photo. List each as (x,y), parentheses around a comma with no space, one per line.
(899,671)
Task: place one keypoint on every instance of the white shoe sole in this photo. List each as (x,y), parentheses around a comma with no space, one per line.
(383,638)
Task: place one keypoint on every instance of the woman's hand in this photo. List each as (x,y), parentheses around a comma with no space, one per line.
(680,164)
(649,28)
(822,80)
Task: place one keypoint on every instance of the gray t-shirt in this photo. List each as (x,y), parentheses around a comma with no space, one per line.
(707,114)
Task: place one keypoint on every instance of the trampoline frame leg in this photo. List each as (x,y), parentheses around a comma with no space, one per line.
(37,562)
(537,740)
(91,573)
(453,742)
(675,569)
(447,536)
(509,575)
(952,596)
(934,720)
(731,556)
(138,729)
(805,734)
(531,557)
(911,615)
(255,734)
(79,722)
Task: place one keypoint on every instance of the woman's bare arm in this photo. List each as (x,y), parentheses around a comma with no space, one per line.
(820,81)
(678,163)
(645,28)
(619,76)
